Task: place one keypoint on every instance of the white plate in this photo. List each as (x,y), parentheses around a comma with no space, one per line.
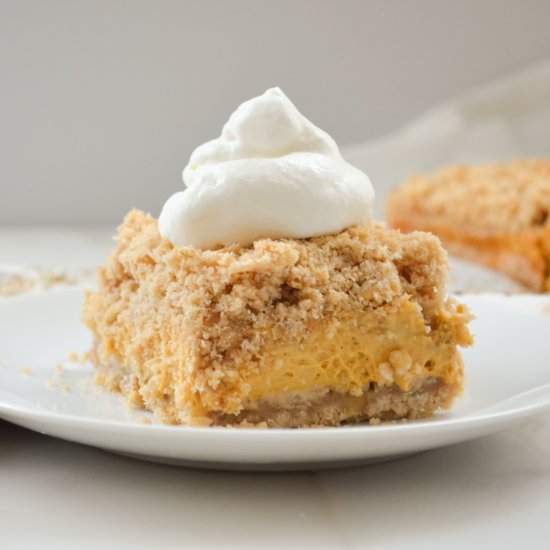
(508,379)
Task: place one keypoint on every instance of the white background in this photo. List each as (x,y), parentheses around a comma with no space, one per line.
(102,102)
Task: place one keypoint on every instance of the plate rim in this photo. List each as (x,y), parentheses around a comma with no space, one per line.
(463,426)
(419,425)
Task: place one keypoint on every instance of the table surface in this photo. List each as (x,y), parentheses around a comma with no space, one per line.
(493,492)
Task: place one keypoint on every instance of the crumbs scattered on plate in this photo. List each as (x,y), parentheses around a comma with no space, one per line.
(57,381)
(144,420)
(74,357)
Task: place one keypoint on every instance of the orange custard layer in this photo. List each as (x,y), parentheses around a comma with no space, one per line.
(386,346)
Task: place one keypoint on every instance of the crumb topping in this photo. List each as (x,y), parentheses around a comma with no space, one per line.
(505,196)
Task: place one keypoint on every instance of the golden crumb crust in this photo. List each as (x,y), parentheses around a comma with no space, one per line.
(495,214)
(510,196)
(186,332)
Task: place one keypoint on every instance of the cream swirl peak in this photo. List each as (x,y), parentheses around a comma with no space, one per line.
(271,174)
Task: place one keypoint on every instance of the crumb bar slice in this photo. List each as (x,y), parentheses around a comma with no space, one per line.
(496,215)
(284,333)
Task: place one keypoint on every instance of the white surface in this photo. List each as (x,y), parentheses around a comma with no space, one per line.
(70,406)
(75,248)
(101,103)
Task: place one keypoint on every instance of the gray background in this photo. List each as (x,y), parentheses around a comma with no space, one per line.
(101,103)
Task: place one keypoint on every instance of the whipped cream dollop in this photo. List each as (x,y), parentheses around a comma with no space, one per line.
(271,174)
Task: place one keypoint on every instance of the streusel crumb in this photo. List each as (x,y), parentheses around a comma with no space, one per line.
(506,196)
